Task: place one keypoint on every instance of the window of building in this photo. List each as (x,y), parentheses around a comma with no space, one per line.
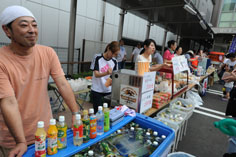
(226,17)
(224,24)
(229,5)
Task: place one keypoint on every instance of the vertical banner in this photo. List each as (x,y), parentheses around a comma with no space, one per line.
(232,47)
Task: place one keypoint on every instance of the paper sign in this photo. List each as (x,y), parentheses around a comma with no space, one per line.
(148,81)
(146,101)
(129,96)
(179,64)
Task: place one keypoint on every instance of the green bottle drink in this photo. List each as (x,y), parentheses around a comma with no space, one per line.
(106,117)
(86,126)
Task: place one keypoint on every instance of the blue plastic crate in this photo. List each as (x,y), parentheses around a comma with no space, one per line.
(143,121)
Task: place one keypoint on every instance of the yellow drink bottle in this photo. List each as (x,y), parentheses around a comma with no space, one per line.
(52,138)
(62,135)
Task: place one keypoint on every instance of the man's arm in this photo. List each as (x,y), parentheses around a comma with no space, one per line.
(12,118)
(67,93)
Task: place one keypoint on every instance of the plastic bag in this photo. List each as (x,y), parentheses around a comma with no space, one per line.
(194,98)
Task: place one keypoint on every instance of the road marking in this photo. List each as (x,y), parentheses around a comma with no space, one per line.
(211,110)
(216,91)
(208,114)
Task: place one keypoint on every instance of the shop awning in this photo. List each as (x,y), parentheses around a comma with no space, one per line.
(169,14)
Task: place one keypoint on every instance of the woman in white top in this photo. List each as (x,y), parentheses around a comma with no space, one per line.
(149,47)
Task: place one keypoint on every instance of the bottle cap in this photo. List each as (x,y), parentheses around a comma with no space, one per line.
(90,153)
(118,131)
(155,143)
(155,133)
(132,128)
(99,108)
(77,116)
(85,112)
(105,105)
(91,110)
(148,133)
(61,118)
(40,124)
(163,136)
(52,121)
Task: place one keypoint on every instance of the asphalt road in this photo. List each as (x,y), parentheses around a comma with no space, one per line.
(202,138)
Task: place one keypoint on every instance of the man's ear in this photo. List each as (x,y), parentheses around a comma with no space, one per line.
(7,31)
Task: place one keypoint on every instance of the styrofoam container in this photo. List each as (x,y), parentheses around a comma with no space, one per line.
(179,154)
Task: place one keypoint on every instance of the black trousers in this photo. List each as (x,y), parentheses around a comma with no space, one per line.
(97,99)
(231,106)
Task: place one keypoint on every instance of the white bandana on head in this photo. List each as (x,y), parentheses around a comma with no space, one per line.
(13,12)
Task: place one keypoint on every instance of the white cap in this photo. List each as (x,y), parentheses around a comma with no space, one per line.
(155,133)
(90,153)
(52,121)
(163,136)
(155,143)
(11,13)
(40,124)
(99,108)
(132,128)
(61,118)
(77,116)
(118,131)
(148,133)
(91,110)
(105,104)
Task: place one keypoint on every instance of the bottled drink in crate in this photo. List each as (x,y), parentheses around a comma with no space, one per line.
(40,140)
(93,124)
(86,126)
(106,117)
(78,131)
(62,135)
(100,121)
(107,150)
(154,135)
(132,133)
(52,138)
(153,147)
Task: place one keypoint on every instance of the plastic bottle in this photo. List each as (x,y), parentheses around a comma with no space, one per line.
(62,135)
(86,126)
(227,126)
(106,117)
(146,137)
(107,150)
(91,153)
(52,138)
(100,121)
(40,140)
(154,135)
(93,124)
(154,146)
(132,133)
(78,131)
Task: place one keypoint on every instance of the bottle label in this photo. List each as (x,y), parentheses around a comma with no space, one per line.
(93,126)
(52,143)
(106,121)
(100,124)
(40,146)
(78,131)
(86,130)
(61,137)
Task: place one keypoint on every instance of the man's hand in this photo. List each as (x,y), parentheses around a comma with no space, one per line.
(19,150)
(73,121)
(109,71)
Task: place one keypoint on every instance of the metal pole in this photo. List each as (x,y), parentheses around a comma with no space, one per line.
(103,19)
(148,29)
(121,24)
(164,42)
(71,44)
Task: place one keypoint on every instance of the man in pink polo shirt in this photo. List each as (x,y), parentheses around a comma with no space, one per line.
(24,72)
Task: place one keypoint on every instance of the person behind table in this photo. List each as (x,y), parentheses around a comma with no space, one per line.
(121,57)
(149,47)
(227,85)
(169,53)
(178,51)
(24,72)
(221,69)
(104,64)
(135,54)
(189,55)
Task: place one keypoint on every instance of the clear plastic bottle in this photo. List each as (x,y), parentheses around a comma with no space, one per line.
(93,124)
(100,121)
(52,138)
(132,133)
(154,146)
(78,131)
(86,126)
(62,135)
(106,117)
(146,137)
(40,140)
(154,135)
(91,153)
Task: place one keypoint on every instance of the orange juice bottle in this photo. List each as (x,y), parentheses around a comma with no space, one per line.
(93,124)
(52,138)
(40,140)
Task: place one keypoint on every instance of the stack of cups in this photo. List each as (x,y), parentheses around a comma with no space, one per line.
(143,67)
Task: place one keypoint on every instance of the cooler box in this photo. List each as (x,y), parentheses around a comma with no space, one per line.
(216,56)
(144,121)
